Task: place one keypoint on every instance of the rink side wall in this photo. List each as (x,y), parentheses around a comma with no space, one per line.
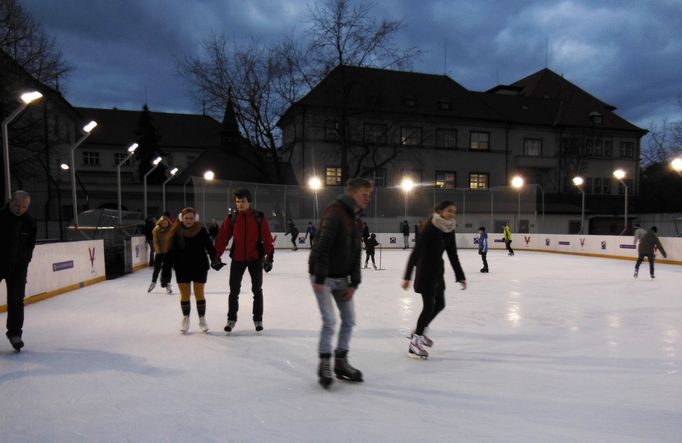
(606,246)
(60,267)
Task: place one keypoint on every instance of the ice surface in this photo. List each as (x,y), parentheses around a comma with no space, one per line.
(544,348)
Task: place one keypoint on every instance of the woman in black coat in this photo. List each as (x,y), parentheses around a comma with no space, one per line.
(192,248)
(437,235)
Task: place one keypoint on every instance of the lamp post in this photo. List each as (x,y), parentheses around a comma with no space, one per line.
(620,175)
(208,176)
(74,199)
(131,151)
(578,182)
(184,189)
(517,183)
(407,185)
(542,200)
(163,186)
(156,162)
(676,164)
(315,184)
(26,99)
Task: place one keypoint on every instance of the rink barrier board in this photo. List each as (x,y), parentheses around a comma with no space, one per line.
(40,297)
(616,257)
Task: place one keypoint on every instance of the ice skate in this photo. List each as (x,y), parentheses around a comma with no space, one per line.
(258,325)
(151,286)
(184,324)
(636,273)
(417,348)
(230,326)
(16,342)
(374,266)
(169,289)
(343,369)
(324,371)
(484,270)
(653,276)
(202,324)
(365,265)
(426,341)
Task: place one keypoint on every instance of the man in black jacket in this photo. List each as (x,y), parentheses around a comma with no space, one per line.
(18,234)
(334,267)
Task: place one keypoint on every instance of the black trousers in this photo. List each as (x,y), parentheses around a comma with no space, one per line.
(507,243)
(237,269)
(16,291)
(434,302)
(484,256)
(163,262)
(640,259)
(368,256)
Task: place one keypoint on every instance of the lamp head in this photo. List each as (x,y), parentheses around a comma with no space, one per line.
(64,167)
(157,160)
(174,171)
(578,181)
(619,174)
(517,182)
(677,164)
(209,175)
(89,127)
(132,147)
(407,184)
(30,97)
(315,183)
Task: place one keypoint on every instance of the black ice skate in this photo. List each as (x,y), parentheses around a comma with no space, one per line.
(258,325)
(636,273)
(343,369)
(230,326)
(324,371)
(16,342)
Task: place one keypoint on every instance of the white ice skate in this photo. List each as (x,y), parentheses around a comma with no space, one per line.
(417,348)
(184,325)
(151,286)
(426,341)
(169,289)
(203,325)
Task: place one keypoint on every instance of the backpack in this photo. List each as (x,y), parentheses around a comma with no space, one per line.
(259,244)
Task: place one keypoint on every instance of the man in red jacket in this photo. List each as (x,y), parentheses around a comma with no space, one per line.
(251,249)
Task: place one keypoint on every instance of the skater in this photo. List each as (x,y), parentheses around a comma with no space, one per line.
(18,234)
(251,249)
(438,235)
(310,232)
(365,232)
(149,225)
(370,244)
(293,230)
(162,236)
(508,239)
(639,232)
(647,248)
(483,248)
(334,267)
(405,229)
(191,248)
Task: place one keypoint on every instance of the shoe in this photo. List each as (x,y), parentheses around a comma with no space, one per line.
(417,348)
(343,369)
(169,289)
(426,341)
(653,276)
(184,324)
(324,371)
(636,273)
(365,265)
(202,324)
(151,286)
(375,266)
(484,270)
(16,342)
(230,325)
(258,325)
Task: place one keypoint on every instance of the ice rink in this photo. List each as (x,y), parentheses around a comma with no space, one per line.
(545,348)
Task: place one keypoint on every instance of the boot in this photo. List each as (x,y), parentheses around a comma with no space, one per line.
(417,348)
(258,325)
(184,324)
(426,341)
(324,371)
(375,266)
(343,369)
(151,286)
(169,289)
(203,325)
(16,342)
(230,325)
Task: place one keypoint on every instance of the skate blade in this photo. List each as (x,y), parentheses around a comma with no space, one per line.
(417,356)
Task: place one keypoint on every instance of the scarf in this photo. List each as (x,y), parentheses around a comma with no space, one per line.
(182,231)
(442,224)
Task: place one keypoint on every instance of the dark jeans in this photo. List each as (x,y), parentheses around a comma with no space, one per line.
(507,243)
(484,256)
(311,242)
(163,262)
(640,259)
(16,290)
(368,256)
(237,269)
(434,302)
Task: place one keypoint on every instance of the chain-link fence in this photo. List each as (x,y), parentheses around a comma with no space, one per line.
(388,206)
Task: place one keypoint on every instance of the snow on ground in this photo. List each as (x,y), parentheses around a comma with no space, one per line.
(544,348)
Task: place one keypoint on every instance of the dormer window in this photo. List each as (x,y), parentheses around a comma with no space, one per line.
(595,118)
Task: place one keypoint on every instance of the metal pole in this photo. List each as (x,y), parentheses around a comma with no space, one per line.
(5,149)
(145,188)
(184,190)
(492,212)
(163,190)
(625,223)
(203,201)
(73,178)
(518,221)
(582,213)
(464,208)
(118,186)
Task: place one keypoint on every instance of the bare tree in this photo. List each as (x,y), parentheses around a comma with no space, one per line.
(664,140)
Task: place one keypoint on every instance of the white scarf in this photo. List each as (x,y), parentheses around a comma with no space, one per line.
(442,224)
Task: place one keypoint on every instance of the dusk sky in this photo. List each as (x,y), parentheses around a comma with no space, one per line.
(626,52)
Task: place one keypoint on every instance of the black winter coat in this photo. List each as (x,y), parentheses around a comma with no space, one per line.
(427,256)
(370,244)
(190,256)
(336,252)
(18,239)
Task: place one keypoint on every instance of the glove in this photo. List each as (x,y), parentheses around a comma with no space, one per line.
(217,264)
(267,265)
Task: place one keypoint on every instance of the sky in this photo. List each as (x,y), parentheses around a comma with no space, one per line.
(628,53)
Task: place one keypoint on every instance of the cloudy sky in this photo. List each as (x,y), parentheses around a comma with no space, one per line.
(626,52)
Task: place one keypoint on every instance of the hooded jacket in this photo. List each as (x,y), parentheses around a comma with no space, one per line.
(245,234)
(647,243)
(162,237)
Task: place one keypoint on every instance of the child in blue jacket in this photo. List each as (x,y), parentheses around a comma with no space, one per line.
(483,248)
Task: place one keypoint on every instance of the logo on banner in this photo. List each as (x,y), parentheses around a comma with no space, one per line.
(564,243)
(628,246)
(603,244)
(546,242)
(526,238)
(137,251)
(392,240)
(60,266)
(582,242)
(301,240)
(476,240)
(91,253)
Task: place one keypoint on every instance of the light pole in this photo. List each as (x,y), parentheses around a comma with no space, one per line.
(26,99)
(184,189)
(407,185)
(676,164)
(620,175)
(517,183)
(156,162)
(208,176)
(542,199)
(131,151)
(163,186)
(578,182)
(86,132)
(315,184)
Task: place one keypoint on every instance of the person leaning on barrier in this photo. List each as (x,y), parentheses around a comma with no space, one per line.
(18,233)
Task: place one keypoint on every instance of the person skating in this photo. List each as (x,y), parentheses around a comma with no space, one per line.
(483,248)
(405,230)
(370,247)
(191,251)
(251,249)
(18,233)
(334,267)
(647,248)
(438,235)
(310,232)
(162,237)
(508,239)
(293,230)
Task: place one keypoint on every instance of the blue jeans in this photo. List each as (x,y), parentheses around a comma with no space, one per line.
(640,259)
(334,289)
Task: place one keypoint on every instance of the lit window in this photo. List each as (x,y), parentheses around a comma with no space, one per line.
(480,141)
(333,176)
(478,180)
(446,179)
